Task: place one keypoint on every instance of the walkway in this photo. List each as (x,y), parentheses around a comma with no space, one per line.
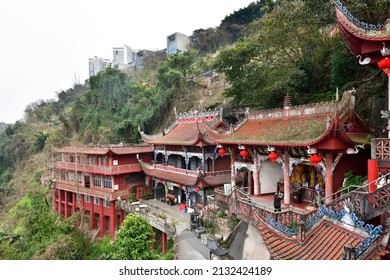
(189,246)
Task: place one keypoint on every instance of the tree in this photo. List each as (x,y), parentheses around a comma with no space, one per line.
(134,239)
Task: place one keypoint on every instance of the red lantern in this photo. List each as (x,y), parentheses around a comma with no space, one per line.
(244,154)
(273,156)
(149,177)
(197,189)
(384,64)
(180,185)
(222,152)
(160,180)
(315,159)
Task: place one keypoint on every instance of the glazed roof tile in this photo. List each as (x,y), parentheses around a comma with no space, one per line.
(119,150)
(326,242)
(295,130)
(190,133)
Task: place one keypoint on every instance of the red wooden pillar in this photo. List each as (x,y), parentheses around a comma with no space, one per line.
(53,200)
(250,179)
(164,244)
(286,177)
(256,181)
(122,216)
(74,199)
(372,174)
(59,203)
(92,214)
(113,225)
(103,227)
(66,206)
(328,177)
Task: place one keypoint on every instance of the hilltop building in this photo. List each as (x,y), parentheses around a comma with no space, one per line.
(98,64)
(92,179)
(177,43)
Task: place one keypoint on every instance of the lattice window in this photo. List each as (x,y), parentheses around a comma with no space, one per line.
(382,149)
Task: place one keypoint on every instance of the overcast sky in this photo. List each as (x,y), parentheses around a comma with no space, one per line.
(45,44)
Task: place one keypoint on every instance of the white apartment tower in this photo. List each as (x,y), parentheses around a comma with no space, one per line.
(97,64)
(122,55)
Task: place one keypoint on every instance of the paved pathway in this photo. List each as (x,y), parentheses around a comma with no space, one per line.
(248,244)
(189,246)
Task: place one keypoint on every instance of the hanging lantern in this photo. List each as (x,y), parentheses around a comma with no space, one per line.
(222,152)
(149,177)
(160,180)
(384,64)
(180,185)
(273,156)
(244,154)
(315,159)
(197,189)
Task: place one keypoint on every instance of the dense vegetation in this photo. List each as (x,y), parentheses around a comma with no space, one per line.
(265,51)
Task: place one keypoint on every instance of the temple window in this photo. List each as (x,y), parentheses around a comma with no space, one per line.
(97,181)
(107,183)
(106,203)
(96,200)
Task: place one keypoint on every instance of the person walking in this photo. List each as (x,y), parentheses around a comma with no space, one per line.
(277,202)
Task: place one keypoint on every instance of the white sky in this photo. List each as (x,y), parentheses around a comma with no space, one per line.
(45,44)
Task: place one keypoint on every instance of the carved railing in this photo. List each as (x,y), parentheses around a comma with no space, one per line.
(105,194)
(118,169)
(173,169)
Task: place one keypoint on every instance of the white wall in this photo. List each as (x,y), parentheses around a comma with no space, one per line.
(270,174)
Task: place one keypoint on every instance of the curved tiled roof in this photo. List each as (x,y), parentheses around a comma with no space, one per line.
(115,149)
(183,133)
(326,242)
(282,131)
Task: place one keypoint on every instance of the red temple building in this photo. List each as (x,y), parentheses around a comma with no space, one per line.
(187,166)
(92,179)
(294,148)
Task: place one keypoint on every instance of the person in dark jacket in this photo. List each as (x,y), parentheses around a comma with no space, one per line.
(277,202)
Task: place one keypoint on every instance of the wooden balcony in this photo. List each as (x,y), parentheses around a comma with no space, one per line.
(195,173)
(99,169)
(103,193)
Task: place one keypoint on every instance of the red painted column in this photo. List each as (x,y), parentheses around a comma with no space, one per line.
(164,244)
(256,181)
(250,179)
(372,174)
(59,202)
(53,200)
(112,220)
(328,177)
(286,177)
(92,214)
(66,206)
(122,216)
(74,199)
(103,227)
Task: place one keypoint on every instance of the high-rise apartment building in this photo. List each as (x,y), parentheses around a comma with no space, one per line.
(122,55)
(97,64)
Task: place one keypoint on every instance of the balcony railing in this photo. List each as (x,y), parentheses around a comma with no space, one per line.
(105,194)
(117,169)
(173,169)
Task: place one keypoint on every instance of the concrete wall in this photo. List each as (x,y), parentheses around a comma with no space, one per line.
(270,174)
